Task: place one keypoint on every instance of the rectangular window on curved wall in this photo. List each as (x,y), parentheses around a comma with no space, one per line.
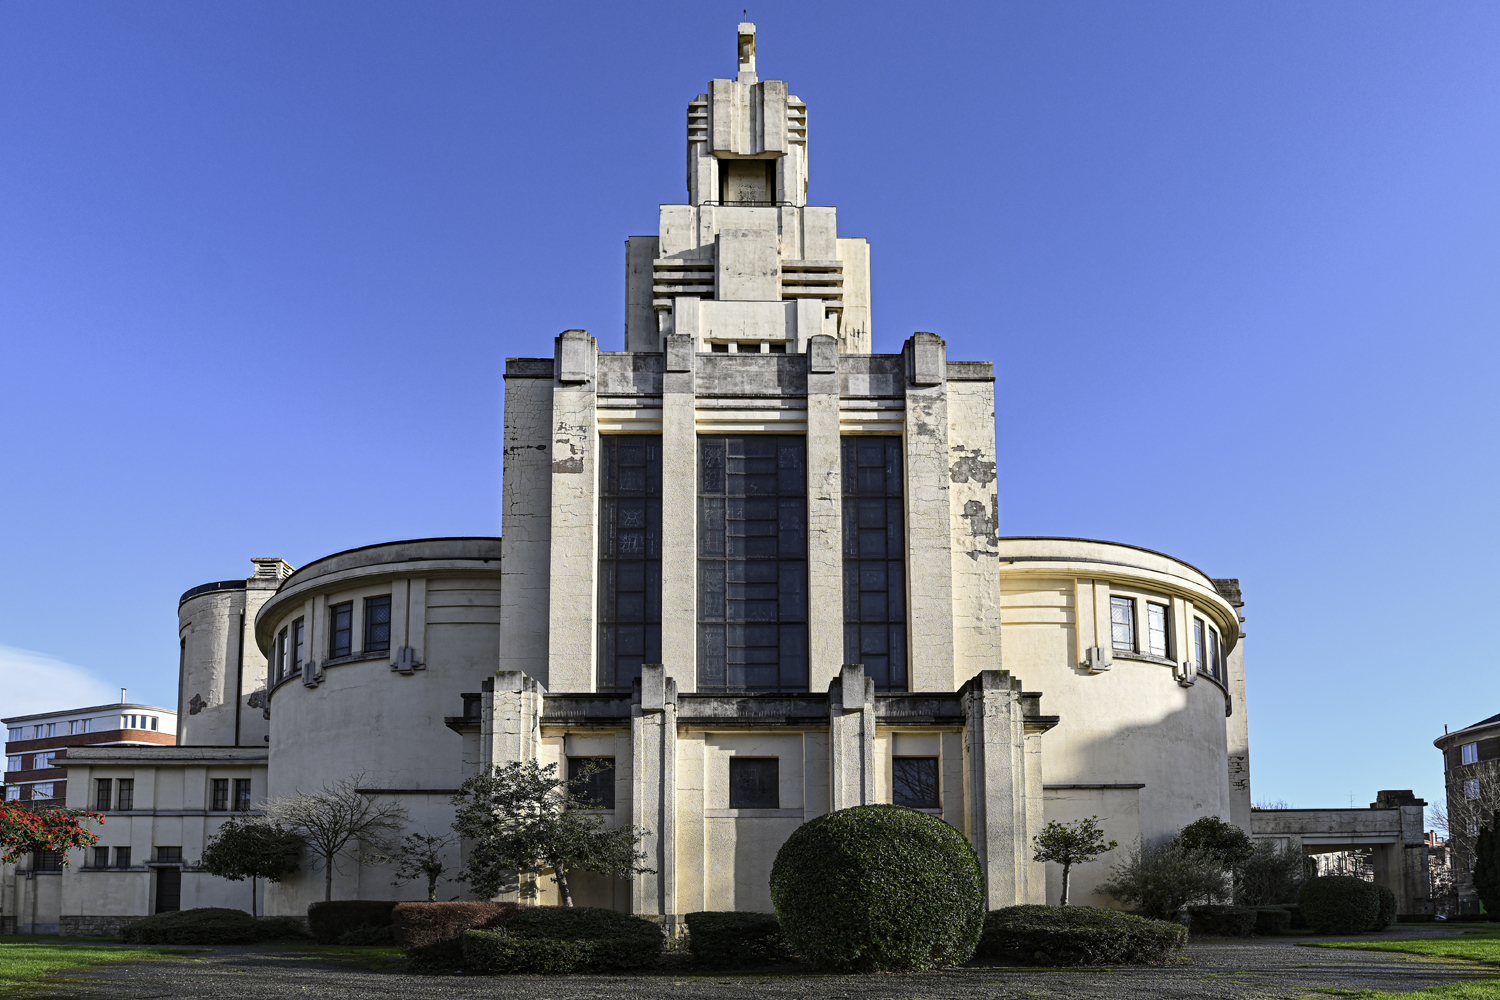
(1122,623)
(377,624)
(1215,654)
(278,668)
(1158,636)
(1471,788)
(874,539)
(1200,646)
(340,629)
(752,563)
(629,557)
(299,647)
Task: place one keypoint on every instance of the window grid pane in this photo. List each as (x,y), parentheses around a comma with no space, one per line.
(629,558)
(1156,629)
(377,624)
(220,796)
(752,564)
(914,782)
(874,541)
(599,786)
(241,794)
(1200,655)
(340,629)
(1215,668)
(1122,623)
(753,783)
(1470,753)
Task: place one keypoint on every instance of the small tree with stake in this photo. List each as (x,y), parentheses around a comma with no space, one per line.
(522,819)
(253,848)
(338,820)
(1070,844)
(420,856)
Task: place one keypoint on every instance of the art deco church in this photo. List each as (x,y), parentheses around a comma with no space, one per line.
(748,562)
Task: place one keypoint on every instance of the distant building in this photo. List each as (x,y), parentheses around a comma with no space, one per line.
(35,745)
(1471,775)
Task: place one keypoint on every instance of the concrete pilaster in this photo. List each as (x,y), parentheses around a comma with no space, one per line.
(928,525)
(995,759)
(510,718)
(527,505)
(679,510)
(573,564)
(653,735)
(851,739)
(825,563)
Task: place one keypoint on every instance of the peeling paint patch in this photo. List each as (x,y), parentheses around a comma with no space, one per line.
(972,468)
(981,524)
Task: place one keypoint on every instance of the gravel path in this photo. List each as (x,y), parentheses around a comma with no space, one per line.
(1261,968)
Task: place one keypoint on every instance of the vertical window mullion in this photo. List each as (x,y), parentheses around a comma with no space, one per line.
(874,559)
(629,610)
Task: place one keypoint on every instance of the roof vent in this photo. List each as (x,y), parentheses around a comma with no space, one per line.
(272,569)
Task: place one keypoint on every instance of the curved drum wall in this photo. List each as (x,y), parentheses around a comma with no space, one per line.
(210,675)
(1134,746)
(364,719)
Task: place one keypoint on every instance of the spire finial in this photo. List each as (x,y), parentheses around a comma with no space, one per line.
(747,52)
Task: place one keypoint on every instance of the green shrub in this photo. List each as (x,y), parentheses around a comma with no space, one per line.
(273,928)
(1222,921)
(1159,881)
(206,925)
(1272,920)
(552,939)
(1077,935)
(330,920)
(1339,904)
(1224,842)
(731,938)
(879,887)
(1387,909)
(1271,875)
(433,933)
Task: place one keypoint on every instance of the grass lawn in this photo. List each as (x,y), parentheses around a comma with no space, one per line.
(1479,943)
(26,958)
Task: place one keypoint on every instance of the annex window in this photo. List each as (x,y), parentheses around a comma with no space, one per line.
(102,794)
(12,793)
(1471,788)
(377,624)
(41,790)
(299,646)
(125,798)
(752,563)
(13,763)
(340,629)
(241,794)
(1472,826)
(18,733)
(1158,642)
(914,782)
(122,857)
(220,795)
(1122,623)
(1468,753)
(593,778)
(47,861)
(629,558)
(101,858)
(87,726)
(874,560)
(753,783)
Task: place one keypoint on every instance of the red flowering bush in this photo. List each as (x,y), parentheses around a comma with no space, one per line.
(24,830)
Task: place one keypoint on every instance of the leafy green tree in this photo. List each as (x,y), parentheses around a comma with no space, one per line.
(253,848)
(1487,864)
(1070,844)
(1160,881)
(1271,875)
(421,856)
(522,819)
(1228,843)
(339,820)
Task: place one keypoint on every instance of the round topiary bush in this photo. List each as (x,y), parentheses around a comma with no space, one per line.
(879,887)
(1387,909)
(1339,904)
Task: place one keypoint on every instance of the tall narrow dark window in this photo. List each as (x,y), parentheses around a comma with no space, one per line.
(340,628)
(1122,623)
(125,801)
(377,624)
(874,566)
(220,796)
(629,558)
(102,796)
(278,662)
(299,646)
(241,794)
(752,563)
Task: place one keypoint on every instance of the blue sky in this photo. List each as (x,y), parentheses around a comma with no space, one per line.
(1238,265)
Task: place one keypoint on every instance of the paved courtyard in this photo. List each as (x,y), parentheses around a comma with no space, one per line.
(1256,968)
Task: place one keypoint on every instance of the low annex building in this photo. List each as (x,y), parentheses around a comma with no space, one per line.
(752,567)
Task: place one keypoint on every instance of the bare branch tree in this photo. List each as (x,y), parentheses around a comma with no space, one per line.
(339,820)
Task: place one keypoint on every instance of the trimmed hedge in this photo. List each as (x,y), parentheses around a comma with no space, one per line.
(1339,904)
(330,920)
(554,939)
(1272,920)
(1222,921)
(1077,935)
(732,938)
(209,925)
(1387,909)
(433,933)
(879,887)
